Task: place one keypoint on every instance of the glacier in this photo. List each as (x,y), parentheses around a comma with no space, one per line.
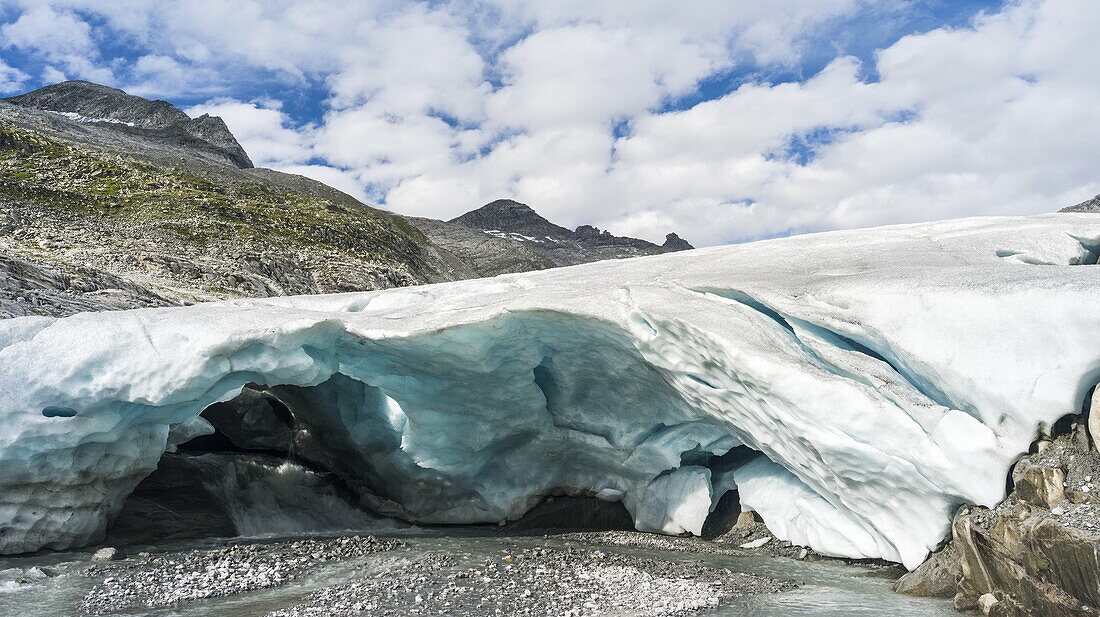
(854,387)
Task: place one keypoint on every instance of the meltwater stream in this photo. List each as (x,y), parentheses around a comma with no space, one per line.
(827,588)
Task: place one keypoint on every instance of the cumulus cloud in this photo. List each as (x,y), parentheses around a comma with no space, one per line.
(60,37)
(11,78)
(640,117)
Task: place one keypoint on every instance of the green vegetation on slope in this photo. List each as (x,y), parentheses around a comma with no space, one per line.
(110,188)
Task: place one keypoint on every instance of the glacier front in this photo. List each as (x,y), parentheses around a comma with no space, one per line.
(855,387)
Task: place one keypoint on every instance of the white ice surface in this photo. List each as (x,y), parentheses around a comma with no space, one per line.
(888,375)
(674,503)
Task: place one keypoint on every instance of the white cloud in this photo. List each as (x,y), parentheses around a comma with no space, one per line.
(586,73)
(11,78)
(155,75)
(49,32)
(58,36)
(414,62)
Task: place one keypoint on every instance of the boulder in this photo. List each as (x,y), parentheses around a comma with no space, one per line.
(1039,485)
(106,553)
(36,573)
(747,519)
(757,543)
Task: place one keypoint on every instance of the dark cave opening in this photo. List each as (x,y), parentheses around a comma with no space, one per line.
(189,495)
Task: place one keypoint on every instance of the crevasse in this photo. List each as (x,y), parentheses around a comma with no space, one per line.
(884,376)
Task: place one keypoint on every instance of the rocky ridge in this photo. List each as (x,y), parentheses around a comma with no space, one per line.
(508,219)
(87,102)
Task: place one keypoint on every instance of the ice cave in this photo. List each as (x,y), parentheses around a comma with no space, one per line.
(852,388)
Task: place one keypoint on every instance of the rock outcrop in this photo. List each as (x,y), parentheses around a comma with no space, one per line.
(937,577)
(674,243)
(95,218)
(471,253)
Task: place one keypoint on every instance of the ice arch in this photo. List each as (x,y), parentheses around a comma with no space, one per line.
(885,376)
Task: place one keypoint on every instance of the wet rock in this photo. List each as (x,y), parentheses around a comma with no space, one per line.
(36,573)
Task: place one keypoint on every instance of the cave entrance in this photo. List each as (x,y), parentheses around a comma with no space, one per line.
(242,479)
(574,513)
(724,515)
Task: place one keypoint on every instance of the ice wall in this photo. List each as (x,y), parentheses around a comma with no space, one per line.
(885,375)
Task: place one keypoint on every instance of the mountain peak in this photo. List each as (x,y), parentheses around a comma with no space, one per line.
(510,216)
(513,220)
(674,242)
(85,101)
(98,102)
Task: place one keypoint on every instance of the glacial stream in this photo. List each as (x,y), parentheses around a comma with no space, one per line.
(828,588)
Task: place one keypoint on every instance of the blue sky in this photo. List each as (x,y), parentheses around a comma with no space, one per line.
(725,121)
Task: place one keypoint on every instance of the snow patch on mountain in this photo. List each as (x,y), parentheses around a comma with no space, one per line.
(75,117)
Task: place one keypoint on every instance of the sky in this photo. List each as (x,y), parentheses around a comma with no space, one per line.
(722,120)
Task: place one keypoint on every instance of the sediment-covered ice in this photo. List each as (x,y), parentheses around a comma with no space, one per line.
(885,376)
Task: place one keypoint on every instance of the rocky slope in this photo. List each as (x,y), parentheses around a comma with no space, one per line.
(512,220)
(477,254)
(186,230)
(111,201)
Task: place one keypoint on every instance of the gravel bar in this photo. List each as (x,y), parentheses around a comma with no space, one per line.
(536,581)
(175,578)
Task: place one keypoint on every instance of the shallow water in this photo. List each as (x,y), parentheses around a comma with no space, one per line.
(829,588)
